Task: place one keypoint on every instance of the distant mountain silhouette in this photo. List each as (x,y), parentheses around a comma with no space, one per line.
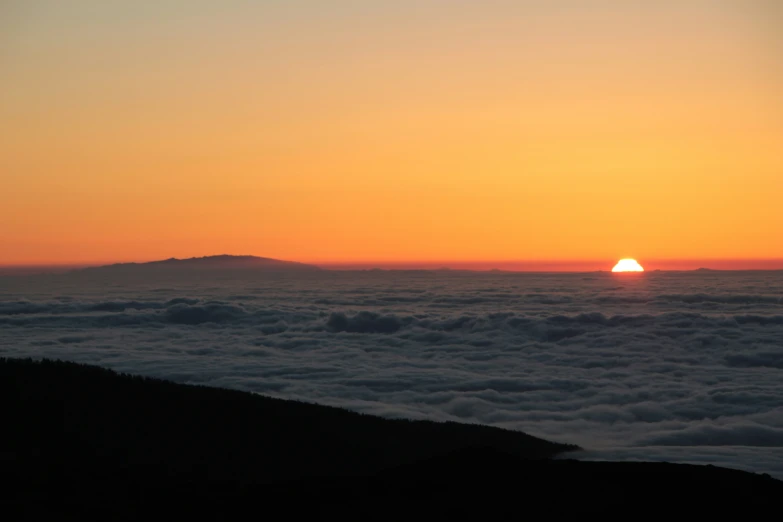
(221,262)
(85,443)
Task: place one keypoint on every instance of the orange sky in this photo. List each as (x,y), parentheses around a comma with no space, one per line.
(391,131)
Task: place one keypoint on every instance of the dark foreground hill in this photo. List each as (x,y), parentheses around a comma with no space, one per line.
(84,443)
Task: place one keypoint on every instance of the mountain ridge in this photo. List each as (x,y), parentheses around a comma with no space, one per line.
(215,262)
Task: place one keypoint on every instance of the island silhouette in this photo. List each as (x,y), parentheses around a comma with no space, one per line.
(218,262)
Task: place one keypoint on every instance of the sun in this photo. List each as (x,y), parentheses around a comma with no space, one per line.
(627,265)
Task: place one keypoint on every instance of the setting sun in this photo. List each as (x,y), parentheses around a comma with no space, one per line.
(627,265)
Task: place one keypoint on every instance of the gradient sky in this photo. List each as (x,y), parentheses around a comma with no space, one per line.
(396,131)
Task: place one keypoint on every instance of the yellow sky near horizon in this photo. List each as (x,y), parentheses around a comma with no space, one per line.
(397,131)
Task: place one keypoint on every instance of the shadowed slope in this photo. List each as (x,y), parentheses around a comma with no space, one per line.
(85,415)
(85,443)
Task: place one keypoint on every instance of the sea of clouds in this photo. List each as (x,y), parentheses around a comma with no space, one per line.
(684,367)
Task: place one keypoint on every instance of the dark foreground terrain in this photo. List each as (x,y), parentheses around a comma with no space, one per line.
(83,443)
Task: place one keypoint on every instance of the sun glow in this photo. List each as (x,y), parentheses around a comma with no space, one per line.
(627,265)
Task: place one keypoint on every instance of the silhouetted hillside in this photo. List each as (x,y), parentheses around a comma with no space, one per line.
(81,415)
(221,262)
(84,443)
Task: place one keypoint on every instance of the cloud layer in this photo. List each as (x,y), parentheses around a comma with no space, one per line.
(669,366)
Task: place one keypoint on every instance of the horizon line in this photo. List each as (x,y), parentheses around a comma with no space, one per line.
(478,265)
(401,262)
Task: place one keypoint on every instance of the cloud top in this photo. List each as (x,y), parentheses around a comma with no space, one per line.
(678,366)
